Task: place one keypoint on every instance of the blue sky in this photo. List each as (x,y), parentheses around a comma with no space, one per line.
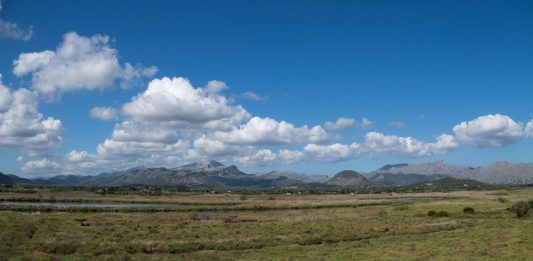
(415,69)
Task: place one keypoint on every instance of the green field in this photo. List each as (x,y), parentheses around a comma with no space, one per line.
(384,226)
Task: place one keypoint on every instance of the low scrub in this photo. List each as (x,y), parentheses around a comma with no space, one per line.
(433,213)
(521,208)
(469,210)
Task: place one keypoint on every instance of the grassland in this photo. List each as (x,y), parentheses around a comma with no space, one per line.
(385,226)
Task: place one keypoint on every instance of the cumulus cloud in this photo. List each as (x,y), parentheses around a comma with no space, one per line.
(23,127)
(365,124)
(79,63)
(104,113)
(267,131)
(291,156)
(489,131)
(138,131)
(340,124)
(252,96)
(12,30)
(138,140)
(334,152)
(79,156)
(529,129)
(407,146)
(213,148)
(42,167)
(260,158)
(215,86)
(346,123)
(176,102)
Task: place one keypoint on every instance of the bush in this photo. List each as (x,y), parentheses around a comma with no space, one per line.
(469,210)
(243,197)
(441,214)
(433,213)
(520,208)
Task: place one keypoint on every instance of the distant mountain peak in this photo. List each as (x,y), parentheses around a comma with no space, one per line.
(349,178)
(204,165)
(347,173)
(215,163)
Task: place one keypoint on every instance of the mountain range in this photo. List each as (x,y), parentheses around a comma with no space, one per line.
(215,174)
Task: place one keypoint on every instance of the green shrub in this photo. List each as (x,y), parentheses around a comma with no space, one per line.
(469,210)
(520,208)
(433,213)
(243,197)
(441,214)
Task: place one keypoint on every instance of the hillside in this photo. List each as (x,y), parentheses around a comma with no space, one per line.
(496,173)
(349,178)
(386,179)
(202,174)
(307,178)
(10,179)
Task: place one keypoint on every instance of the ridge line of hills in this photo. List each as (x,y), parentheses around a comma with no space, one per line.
(215,174)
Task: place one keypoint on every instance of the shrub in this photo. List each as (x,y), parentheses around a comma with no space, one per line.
(441,214)
(433,213)
(469,210)
(520,208)
(243,197)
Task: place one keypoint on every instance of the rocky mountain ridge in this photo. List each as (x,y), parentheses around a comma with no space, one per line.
(215,174)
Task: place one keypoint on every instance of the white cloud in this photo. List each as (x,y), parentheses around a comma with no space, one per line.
(23,127)
(397,124)
(6,98)
(407,146)
(252,96)
(79,63)
(79,156)
(139,150)
(104,113)
(213,148)
(346,123)
(365,124)
(138,131)
(291,156)
(215,86)
(489,131)
(137,139)
(176,102)
(444,143)
(334,152)
(266,131)
(42,167)
(529,129)
(12,30)
(340,124)
(260,158)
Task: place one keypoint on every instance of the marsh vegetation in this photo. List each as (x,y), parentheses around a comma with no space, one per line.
(464,225)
